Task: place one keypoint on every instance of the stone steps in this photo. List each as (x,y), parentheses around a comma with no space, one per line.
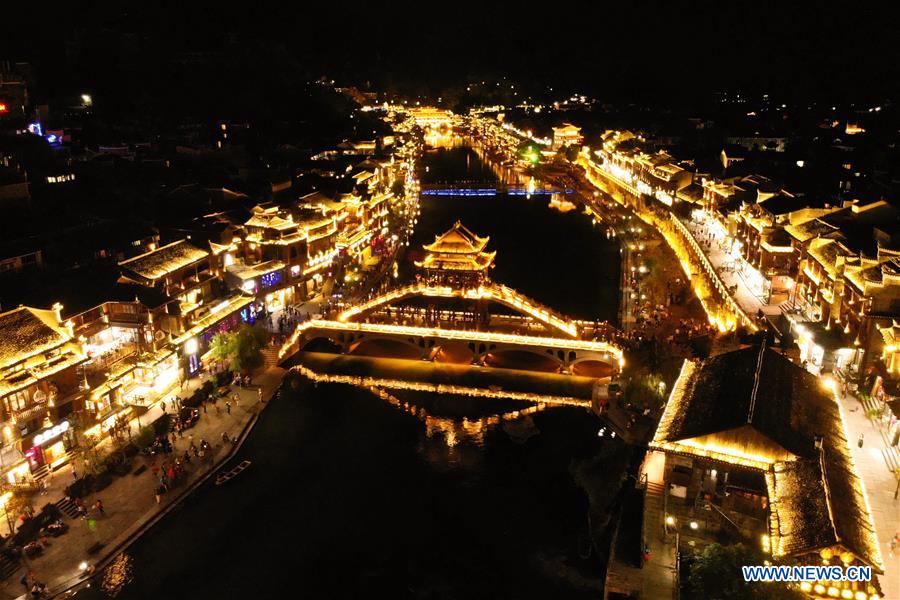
(8,566)
(68,508)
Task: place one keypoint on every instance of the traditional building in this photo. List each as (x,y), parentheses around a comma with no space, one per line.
(457,257)
(198,305)
(429,116)
(39,389)
(567,135)
(755,448)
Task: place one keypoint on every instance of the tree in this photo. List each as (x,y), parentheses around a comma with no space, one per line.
(530,152)
(242,349)
(571,152)
(716,574)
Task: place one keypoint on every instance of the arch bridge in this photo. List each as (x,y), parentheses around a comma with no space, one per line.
(560,341)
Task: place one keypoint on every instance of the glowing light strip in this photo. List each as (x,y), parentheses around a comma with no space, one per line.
(479,336)
(440,388)
(879,560)
(451,429)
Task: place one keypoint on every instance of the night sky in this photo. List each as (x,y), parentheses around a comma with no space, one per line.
(638,51)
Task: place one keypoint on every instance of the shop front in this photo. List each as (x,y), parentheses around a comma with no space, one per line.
(115,423)
(823,349)
(224,317)
(149,378)
(49,447)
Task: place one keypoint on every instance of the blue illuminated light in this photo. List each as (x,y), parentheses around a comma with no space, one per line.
(270,279)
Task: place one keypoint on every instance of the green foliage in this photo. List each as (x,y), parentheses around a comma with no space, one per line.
(643,388)
(601,477)
(144,437)
(571,152)
(242,348)
(530,152)
(716,573)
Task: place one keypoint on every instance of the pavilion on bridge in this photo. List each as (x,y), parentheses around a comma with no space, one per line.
(457,258)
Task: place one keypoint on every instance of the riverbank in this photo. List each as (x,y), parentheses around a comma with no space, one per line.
(129,504)
(720,307)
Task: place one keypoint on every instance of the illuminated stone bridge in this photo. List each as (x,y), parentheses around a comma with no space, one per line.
(448,316)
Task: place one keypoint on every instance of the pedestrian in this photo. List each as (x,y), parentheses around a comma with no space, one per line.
(204,408)
(158,493)
(259,394)
(74,474)
(228,407)
(859,441)
(894,541)
(98,505)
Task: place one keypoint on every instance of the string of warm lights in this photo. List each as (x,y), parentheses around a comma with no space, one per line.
(442,388)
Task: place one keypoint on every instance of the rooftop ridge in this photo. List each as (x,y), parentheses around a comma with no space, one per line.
(756,378)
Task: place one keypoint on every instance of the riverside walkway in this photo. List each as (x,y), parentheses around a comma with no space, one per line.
(129,503)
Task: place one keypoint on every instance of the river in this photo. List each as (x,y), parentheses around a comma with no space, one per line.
(351,495)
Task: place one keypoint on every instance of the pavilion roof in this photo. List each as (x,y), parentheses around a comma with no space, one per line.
(457,240)
(754,408)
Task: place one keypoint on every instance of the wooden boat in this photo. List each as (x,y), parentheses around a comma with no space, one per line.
(228,475)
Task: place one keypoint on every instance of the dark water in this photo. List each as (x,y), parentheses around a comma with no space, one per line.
(350,496)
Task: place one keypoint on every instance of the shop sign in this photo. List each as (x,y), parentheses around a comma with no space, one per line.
(51,434)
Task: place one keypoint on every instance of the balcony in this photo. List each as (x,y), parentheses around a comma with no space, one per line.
(37,411)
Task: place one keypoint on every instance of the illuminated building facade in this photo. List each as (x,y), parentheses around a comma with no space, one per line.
(39,390)
(567,135)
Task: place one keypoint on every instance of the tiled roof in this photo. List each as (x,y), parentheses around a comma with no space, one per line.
(25,332)
(756,409)
(162,261)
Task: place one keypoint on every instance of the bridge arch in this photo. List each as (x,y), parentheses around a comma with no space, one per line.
(385,348)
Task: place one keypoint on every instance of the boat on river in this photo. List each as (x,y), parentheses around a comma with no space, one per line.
(229,475)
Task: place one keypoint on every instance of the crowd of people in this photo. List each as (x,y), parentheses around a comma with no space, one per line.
(289,318)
